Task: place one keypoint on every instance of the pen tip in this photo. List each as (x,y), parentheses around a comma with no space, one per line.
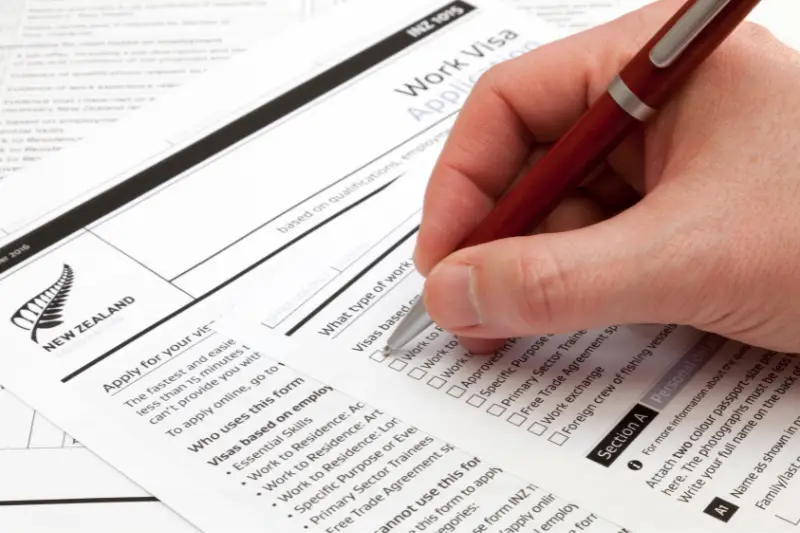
(387,350)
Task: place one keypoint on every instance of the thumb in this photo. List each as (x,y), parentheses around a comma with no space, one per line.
(632,268)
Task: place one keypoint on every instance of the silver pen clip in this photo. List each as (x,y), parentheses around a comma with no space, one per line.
(685,30)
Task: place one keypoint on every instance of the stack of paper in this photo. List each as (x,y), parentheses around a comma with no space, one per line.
(116,270)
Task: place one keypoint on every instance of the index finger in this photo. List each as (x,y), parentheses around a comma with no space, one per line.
(530,100)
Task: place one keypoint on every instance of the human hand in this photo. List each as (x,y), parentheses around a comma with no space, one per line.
(694,221)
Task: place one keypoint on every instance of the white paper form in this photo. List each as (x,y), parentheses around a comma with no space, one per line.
(73,65)
(69,66)
(124,286)
(31,447)
(663,428)
(572,16)
(66,68)
(125,54)
(50,432)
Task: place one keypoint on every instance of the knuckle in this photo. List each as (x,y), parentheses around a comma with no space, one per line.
(543,289)
(741,59)
(750,42)
(492,78)
(497,79)
(755,33)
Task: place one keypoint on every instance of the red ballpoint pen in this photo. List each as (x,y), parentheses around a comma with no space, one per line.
(642,87)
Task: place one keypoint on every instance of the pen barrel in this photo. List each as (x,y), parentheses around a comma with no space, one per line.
(600,130)
(653,84)
(580,151)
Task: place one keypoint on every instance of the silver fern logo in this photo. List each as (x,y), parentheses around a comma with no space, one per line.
(46,309)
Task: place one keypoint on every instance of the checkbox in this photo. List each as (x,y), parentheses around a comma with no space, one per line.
(379,356)
(537,429)
(436,382)
(456,392)
(496,410)
(517,419)
(476,401)
(398,364)
(558,438)
(417,373)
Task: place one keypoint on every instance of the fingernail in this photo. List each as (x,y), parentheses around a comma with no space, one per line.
(456,304)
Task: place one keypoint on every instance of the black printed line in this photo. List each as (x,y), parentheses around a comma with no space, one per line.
(165,363)
(375,301)
(350,283)
(218,288)
(319,192)
(167,169)
(77,501)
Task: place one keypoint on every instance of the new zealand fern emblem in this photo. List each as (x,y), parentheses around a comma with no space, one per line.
(45,310)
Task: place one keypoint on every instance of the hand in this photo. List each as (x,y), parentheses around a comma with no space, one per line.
(694,221)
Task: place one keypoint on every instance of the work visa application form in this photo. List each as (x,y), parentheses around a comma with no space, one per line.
(110,295)
(112,302)
(131,53)
(663,428)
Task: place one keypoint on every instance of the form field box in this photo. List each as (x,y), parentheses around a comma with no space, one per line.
(417,373)
(296,300)
(537,429)
(398,364)
(558,438)
(227,212)
(476,401)
(436,382)
(517,419)
(456,392)
(378,356)
(496,410)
